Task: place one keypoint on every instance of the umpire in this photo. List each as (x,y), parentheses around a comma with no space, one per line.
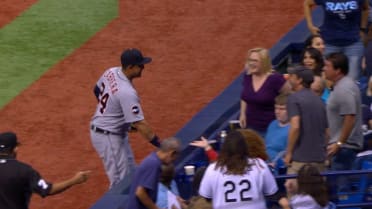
(18,180)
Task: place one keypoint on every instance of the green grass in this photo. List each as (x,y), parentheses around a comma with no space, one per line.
(43,35)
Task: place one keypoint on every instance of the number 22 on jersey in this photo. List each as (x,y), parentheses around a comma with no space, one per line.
(242,188)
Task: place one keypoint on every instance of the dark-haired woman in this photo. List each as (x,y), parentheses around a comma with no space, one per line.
(313,59)
(311,193)
(316,42)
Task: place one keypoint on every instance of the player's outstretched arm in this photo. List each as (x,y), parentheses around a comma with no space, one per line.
(61,186)
(145,130)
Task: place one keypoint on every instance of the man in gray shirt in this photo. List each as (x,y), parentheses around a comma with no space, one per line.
(308,126)
(308,123)
(344,114)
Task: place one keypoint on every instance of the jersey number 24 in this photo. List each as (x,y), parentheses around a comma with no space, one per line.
(103,98)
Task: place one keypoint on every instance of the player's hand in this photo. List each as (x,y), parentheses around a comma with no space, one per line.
(203,143)
(314,30)
(332,149)
(81,176)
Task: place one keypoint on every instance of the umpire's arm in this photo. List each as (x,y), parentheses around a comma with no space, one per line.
(145,130)
(78,178)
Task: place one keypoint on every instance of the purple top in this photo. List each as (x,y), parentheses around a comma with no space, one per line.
(260,103)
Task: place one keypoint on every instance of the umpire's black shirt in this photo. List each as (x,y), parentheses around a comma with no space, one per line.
(17,183)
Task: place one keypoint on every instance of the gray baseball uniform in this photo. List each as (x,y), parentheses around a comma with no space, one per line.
(117,108)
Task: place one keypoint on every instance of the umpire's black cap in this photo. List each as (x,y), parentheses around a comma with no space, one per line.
(134,57)
(8,141)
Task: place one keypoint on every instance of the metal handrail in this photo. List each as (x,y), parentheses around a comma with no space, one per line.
(329,173)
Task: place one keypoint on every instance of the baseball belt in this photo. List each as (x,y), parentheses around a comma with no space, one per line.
(99,130)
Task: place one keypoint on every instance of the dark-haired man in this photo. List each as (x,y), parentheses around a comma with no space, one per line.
(144,187)
(308,126)
(344,113)
(119,111)
(308,123)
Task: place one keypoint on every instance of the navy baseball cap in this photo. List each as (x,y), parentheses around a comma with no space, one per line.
(134,57)
(303,72)
(8,140)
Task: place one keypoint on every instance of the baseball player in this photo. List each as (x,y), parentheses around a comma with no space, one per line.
(236,181)
(119,111)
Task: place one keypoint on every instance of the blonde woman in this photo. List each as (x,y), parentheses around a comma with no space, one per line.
(261,85)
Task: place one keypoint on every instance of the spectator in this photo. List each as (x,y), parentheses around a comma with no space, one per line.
(312,191)
(260,86)
(316,42)
(19,180)
(308,123)
(256,145)
(235,180)
(344,27)
(344,113)
(167,183)
(367,94)
(277,133)
(313,60)
(144,188)
(197,201)
(367,117)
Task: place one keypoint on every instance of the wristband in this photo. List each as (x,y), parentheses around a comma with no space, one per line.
(339,143)
(155,141)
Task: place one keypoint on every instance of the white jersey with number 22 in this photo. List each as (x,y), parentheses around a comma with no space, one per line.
(239,191)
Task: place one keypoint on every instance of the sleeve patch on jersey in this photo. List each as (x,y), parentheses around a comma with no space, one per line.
(135,110)
(42,184)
